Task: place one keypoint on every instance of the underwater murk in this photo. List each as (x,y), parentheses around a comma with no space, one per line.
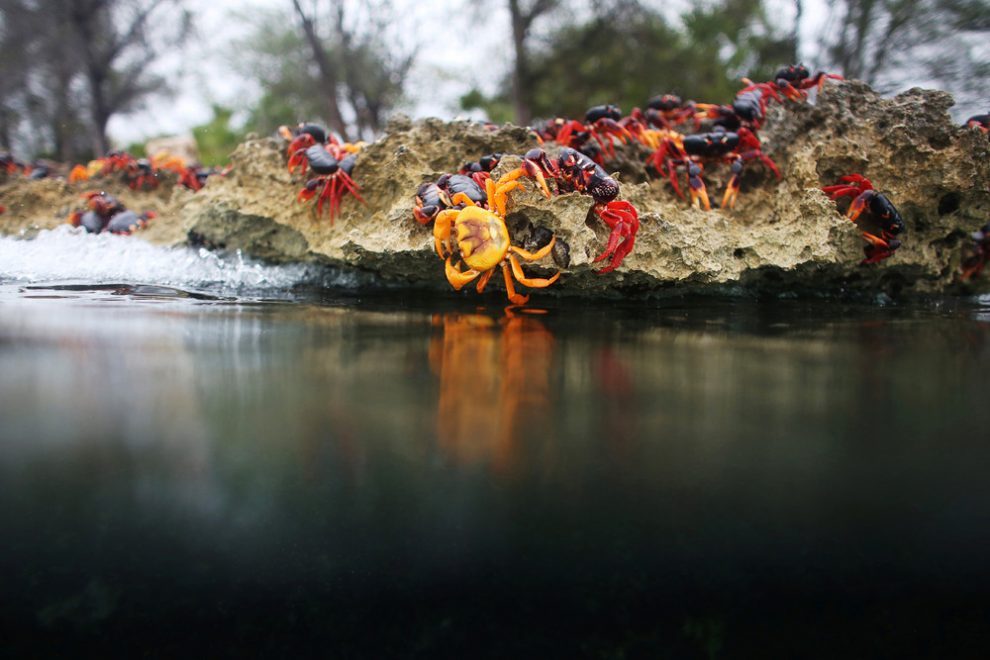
(202,455)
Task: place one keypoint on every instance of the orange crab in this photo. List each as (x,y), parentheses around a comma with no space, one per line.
(474,241)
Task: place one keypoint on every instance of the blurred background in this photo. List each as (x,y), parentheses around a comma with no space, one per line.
(80,77)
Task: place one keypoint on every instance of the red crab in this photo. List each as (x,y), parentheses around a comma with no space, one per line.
(882,243)
(314,150)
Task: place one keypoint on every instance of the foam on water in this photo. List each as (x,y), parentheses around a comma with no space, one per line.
(70,254)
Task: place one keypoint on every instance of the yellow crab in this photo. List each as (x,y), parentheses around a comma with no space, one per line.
(478,239)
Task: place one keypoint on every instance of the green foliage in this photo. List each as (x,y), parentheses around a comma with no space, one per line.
(136,149)
(498,108)
(629,53)
(368,67)
(216,139)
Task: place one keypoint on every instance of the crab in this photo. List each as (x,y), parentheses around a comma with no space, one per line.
(792,80)
(474,241)
(314,150)
(595,136)
(981,122)
(692,151)
(882,244)
(976,253)
(575,171)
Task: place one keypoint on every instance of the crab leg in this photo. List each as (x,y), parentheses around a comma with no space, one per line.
(461,198)
(534,256)
(732,188)
(532,282)
(699,195)
(510,289)
(441,230)
(532,171)
(458,278)
(483,282)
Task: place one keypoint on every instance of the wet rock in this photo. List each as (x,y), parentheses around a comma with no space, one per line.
(784,237)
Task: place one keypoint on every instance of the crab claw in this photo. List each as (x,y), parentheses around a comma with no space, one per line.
(623,218)
(309,191)
(298,161)
(878,249)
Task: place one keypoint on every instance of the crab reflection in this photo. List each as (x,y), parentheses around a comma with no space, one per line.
(495,376)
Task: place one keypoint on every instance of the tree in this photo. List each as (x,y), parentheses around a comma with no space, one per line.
(886,42)
(358,68)
(113,41)
(627,52)
(521,18)
(68,66)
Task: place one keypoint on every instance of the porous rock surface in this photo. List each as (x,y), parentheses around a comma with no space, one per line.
(784,236)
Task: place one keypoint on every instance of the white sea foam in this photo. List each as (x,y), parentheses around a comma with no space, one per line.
(70,254)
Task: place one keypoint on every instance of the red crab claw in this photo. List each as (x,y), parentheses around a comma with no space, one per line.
(662,157)
(877,248)
(480,178)
(634,124)
(611,129)
(302,142)
(309,190)
(852,184)
(298,161)
(793,93)
(566,132)
(623,218)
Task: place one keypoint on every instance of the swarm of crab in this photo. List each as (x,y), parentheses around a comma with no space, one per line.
(678,136)
(144,173)
(687,136)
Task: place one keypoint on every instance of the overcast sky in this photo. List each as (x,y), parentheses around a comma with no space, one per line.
(205,77)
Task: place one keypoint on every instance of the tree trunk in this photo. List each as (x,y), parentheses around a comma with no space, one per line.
(520,70)
(327,73)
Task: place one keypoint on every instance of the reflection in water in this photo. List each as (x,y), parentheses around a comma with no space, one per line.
(494,380)
(615,386)
(380,478)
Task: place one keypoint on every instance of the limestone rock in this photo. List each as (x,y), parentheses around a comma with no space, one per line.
(784,236)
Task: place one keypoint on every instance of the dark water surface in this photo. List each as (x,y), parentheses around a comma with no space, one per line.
(391,477)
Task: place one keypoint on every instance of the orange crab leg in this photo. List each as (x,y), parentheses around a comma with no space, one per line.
(461,198)
(699,194)
(457,278)
(441,230)
(533,256)
(532,282)
(510,289)
(532,171)
(483,282)
(501,195)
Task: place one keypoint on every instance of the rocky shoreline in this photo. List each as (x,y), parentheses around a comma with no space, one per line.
(783,236)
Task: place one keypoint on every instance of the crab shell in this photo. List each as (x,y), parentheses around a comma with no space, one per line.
(482,238)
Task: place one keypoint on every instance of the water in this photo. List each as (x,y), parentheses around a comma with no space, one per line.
(333,472)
